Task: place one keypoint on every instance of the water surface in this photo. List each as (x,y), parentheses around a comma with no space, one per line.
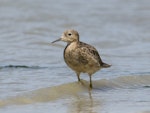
(34,77)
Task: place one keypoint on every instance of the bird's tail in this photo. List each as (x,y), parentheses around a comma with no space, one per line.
(104,65)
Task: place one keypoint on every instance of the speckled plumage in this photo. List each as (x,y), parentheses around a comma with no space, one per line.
(79,56)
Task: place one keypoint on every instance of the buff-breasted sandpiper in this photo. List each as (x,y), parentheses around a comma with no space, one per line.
(79,56)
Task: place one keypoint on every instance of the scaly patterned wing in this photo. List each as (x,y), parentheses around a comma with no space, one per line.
(88,54)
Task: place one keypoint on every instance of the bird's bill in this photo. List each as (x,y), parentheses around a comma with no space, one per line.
(56,40)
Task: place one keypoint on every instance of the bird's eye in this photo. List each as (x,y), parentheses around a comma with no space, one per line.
(69,34)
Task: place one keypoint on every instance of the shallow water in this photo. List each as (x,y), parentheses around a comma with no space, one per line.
(34,77)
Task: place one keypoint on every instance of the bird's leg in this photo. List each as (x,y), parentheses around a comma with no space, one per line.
(90,81)
(78,75)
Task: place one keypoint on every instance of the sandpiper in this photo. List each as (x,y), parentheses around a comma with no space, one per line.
(79,56)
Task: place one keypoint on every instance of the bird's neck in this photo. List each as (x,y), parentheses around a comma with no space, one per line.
(72,45)
(74,42)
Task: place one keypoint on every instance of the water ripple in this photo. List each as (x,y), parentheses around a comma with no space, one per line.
(20,66)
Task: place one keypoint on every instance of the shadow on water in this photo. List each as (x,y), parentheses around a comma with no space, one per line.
(80,91)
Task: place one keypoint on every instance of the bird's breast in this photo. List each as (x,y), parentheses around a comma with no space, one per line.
(69,52)
(71,56)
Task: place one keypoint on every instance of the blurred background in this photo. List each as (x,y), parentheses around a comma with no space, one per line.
(119,29)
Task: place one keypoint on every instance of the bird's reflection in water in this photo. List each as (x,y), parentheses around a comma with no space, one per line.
(85,102)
